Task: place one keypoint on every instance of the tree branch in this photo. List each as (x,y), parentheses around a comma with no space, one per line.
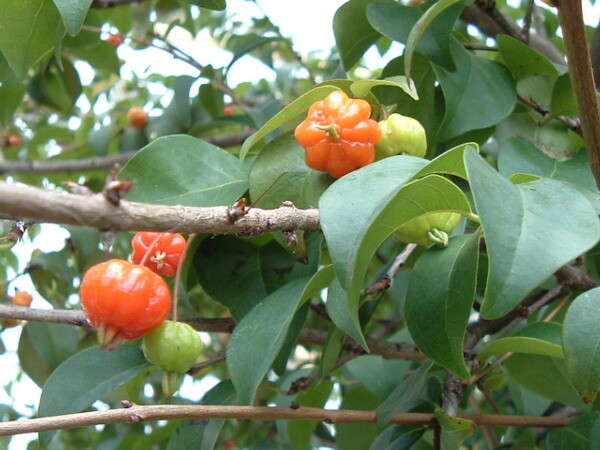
(103,162)
(136,414)
(38,205)
(570,15)
(474,15)
(390,350)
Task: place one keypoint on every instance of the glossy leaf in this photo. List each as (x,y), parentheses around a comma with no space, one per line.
(454,430)
(581,341)
(299,432)
(551,137)
(405,394)
(43,347)
(239,273)
(187,171)
(280,174)
(578,434)
(538,338)
(258,330)
(419,30)
(522,60)
(353,34)
(361,88)
(73,12)
(519,156)
(360,210)
(356,435)
(204,434)
(545,218)
(345,314)
(451,162)
(379,375)
(26,27)
(439,300)
(470,89)
(291,111)
(396,21)
(86,377)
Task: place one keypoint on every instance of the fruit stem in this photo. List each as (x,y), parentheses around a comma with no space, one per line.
(178,278)
(331,131)
(150,249)
(472,217)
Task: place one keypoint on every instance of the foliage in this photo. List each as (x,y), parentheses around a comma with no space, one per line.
(502,151)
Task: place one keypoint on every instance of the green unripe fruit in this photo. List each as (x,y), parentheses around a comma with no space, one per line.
(174,347)
(400,135)
(431,228)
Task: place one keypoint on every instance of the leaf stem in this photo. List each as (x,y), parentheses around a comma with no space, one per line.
(150,249)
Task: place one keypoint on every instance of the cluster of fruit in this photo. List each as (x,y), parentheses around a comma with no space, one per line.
(126,301)
(339,137)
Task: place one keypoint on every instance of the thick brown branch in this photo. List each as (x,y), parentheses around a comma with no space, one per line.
(103,162)
(38,205)
(572,25)
(390,350)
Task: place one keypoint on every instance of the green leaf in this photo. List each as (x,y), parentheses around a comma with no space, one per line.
(250,44)
(519,156)
(73,13)
(397,22)
(420,28)
(405,394)
(26,27)
(362,88)
(451,162)
(291,111)
(470,89)
(551,137)
(539,338)
(379,375)
(331,350)
(258,330)
(216,5)
(204,434)
(86,377)
(531,230)
(182,170)
(581,342)
(563,101)
(43,347)
(545,376)
(578,434)
(239,273)
(279,174)
(522,60)
(356,435)
(454,430)
(360,210)
(11,92)
(439,301)
(353,33)
(345,314)
(299,432)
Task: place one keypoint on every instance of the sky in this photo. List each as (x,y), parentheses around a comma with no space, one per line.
(307,22)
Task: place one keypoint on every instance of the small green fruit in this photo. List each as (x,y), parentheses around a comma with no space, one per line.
(400,135)
(174,347)
(431,228)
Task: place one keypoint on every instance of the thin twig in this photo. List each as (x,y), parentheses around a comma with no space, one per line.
(178,277)
(573,123)
(137,413)
(385,282)
(103,162)
(307,336)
